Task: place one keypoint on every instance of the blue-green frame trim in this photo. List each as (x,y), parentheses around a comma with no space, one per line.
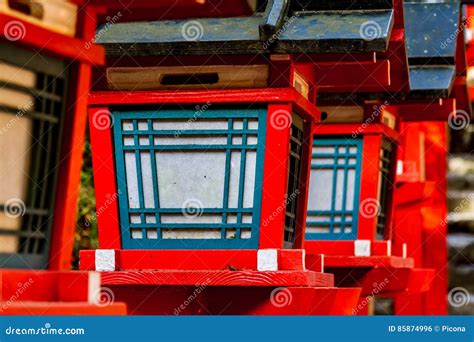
(124,210)
(337,142)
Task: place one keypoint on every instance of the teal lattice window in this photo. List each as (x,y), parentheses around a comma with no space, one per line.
(333,200)
(190,179)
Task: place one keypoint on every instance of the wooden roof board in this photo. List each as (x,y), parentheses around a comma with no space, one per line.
(431,30)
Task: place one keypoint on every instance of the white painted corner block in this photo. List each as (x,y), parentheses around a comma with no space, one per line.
(389,248)
(404,250)
(105,260)
(362,247)
(267,260)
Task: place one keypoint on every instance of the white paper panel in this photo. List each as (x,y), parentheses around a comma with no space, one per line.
(190,140)
(8,244)
(246,218)
(252,140)
(135,218)
(15,145)
(238,124)
(144,141)
(350,189)
(191,233)
(249,186)
(15,99)
(323,149)
(142,125)
(15,75)
(234,179)
(253,124)
(152,234)
(191,176)
(127,125)
(128,141)
(194,219)
(136,233)
(150,219)
(230,233)
(245,233)
(320,190)
(339,189)
(317,230)
(322,218)
(237,140)
(147,180)
(132,180)
(189,124)
(323,161)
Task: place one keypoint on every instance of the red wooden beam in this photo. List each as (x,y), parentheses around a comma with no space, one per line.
(55,44)
(69,174)
(347,76)
(356,129)
(193,260)
(251,96)
(103,163)
(275,178)
(437,110)
(345,248)
(21,308)
(218,278)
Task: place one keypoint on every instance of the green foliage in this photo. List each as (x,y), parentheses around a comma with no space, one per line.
(86,224)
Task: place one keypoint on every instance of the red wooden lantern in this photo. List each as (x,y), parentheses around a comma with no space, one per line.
(46,72)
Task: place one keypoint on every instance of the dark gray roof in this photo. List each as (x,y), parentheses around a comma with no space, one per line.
(431,31)
(285,27)
(431,35)
(431,81)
